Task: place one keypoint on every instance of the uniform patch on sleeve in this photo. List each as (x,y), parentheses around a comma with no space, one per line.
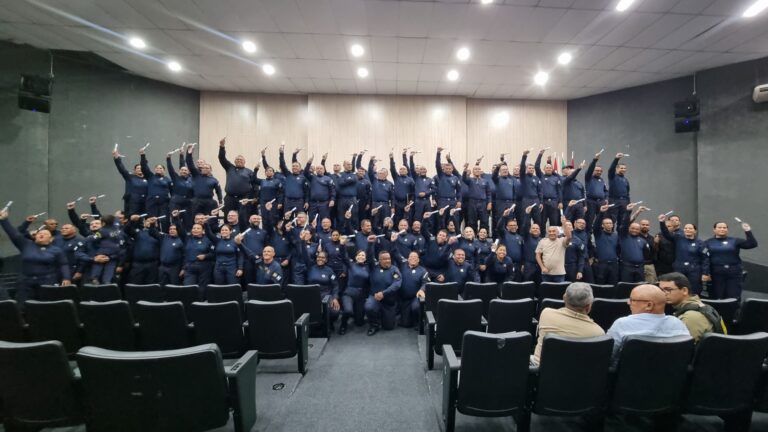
(395,275)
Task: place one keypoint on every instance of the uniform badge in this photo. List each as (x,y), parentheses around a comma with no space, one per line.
(395,275)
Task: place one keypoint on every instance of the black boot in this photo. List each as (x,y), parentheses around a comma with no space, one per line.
(372,331)
(343,327)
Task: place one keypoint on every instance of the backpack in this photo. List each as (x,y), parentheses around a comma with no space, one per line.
(718,326)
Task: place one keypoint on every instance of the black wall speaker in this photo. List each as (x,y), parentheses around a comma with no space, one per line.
(35,93)
(687,116)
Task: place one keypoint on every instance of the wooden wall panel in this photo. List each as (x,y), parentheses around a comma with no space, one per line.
(343,124)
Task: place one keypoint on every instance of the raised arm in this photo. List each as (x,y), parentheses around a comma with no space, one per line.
(148,174)
(411,167)
(750,242)
(612,169)
(591,168)
(171,171)
(283,168)
(537,165)
(438,164)
(371,173)
(16,238)
(121,168)
(392,167)
(191,163)
(223,156)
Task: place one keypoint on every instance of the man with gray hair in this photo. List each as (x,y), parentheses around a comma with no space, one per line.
(572,320)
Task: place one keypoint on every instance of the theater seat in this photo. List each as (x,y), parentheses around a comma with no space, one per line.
(224,293)
(181,390)
(518,290)
(275,333)
(754,316)
(456,317)
(100,293)
(109,325)
(149,292)
(271,292)
(483,291)
(623,289)
(12,325)
(727,308)
(56,293)
(552,290)
(162,326)
(490,380)
(37,386)
(554,303)
(56,320)
(307,299)
(511,316)
(433,293)
(605,311)
(603,291)
(219,323)
(186,294)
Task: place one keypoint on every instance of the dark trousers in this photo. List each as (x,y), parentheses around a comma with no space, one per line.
(400,212)
(352,305)
(693,273)
(552,278)
(451,203)
(606,272)
(409,311)
(477,213)
(531,272)
(535,214)
(593,209)
(343,205)
(290,203)
(134,204)
(576,211)
(377,220)
(618,211)
(499,206)
(319,208)
(28,287)
(632,272)
(224,274)
(157,206)
(103,272)
(550,213)
(198,273)
(298,274)
(202,205)
(169,274)
(571,271)
(143,272)
(726,282)
(381,314)
(178,203)
(232,202)
(420,205)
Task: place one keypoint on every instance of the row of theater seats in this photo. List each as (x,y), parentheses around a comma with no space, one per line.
(657,378)
(188,389)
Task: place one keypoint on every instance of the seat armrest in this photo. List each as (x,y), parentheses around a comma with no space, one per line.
(302,321)
(449,356)
(326,299)
(241,377)
(431,321)
(484,322)
(302,342)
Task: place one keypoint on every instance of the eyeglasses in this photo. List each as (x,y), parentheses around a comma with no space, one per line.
(631,300)
(669,290)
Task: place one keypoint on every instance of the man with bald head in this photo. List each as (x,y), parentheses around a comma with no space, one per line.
(240,179)
(646,302)
(634,249)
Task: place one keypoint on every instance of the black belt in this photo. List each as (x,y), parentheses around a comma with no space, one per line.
(606,262)
(620,198)
(595,199)
(633,265)
(550,199)
(319,201)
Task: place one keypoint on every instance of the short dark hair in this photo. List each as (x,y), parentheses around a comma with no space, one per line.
(677,278)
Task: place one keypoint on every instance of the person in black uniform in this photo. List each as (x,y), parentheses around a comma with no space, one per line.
(381,305)
(181,190)
(203,186)
(322,191)
(135,195)
(415,277)
(691,254)
(158,189)
(597,191)
(239,179)
(403,187)
(724,261)
(618,191)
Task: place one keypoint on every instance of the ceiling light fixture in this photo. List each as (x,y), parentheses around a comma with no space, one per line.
(486,2)
(756,8)
(564,58)
(357,50)
(541,78)
(268,69)
(452,75)
(137,42)
(463,54)
(174,66)
(362,72)
(624,5)
(249,47)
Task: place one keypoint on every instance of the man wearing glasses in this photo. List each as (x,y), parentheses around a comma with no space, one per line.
(646,302)
(698,317)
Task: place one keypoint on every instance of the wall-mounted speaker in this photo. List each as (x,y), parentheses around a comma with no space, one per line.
(687,115)
(35,93)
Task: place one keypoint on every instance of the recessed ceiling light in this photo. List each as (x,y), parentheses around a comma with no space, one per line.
(174,66)
(756,8)
(268,69)
(624,5)
(137,42)
(564,58)
(485,2)
(357,50)
(541,78)
(362,72)
(452,75)
(463,54)
(249,47)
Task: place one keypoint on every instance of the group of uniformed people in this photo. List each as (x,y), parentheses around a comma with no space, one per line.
(369,242)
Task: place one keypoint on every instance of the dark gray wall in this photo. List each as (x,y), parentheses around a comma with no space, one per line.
(661,166)
(709,176)
(66,153)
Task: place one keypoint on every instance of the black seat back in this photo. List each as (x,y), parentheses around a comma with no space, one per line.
(109,325)
(56,293)
(434,292)
(494,373)
(754,316)
(605,311)
(457,317)
(552,290)
(11,323)
(603,291)
(100,293)
(644,388)
(270,328)
(306,299)
(573,375)
(623,289)
(184,390)
(55,320)
(483,291)
(727,308)
(163,325)
(550,303)
(37,385)
(218,323)
(511,315)
(186,294)
(273,292)
(726,371)
(518,290)
(149,293)
(224,293)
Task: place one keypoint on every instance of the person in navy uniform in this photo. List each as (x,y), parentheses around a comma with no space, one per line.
(145,252)
(691,254)
(530,188)
(499,268)
(198,258)
(41,263)
(596,190)
(458,270)
(423,188)
(605,266)
(171,252)
(575,254)
(158,189)
(415,277)
(484,245)
(204,185)
(381,305)
(270,191)
(479,197)
(135,195)
(552,194)
(295,185)
(633,249)
(346,192)
(573,191)
(505,191)
(447,187)
(323,275)
(531,237)
(358,284)
(181,190)
(240,180)
(363,188)
(106,251)
(74,248)
(724,261)
(403,186)
(228,267)
(618,190)
(382,196)
(322,191)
